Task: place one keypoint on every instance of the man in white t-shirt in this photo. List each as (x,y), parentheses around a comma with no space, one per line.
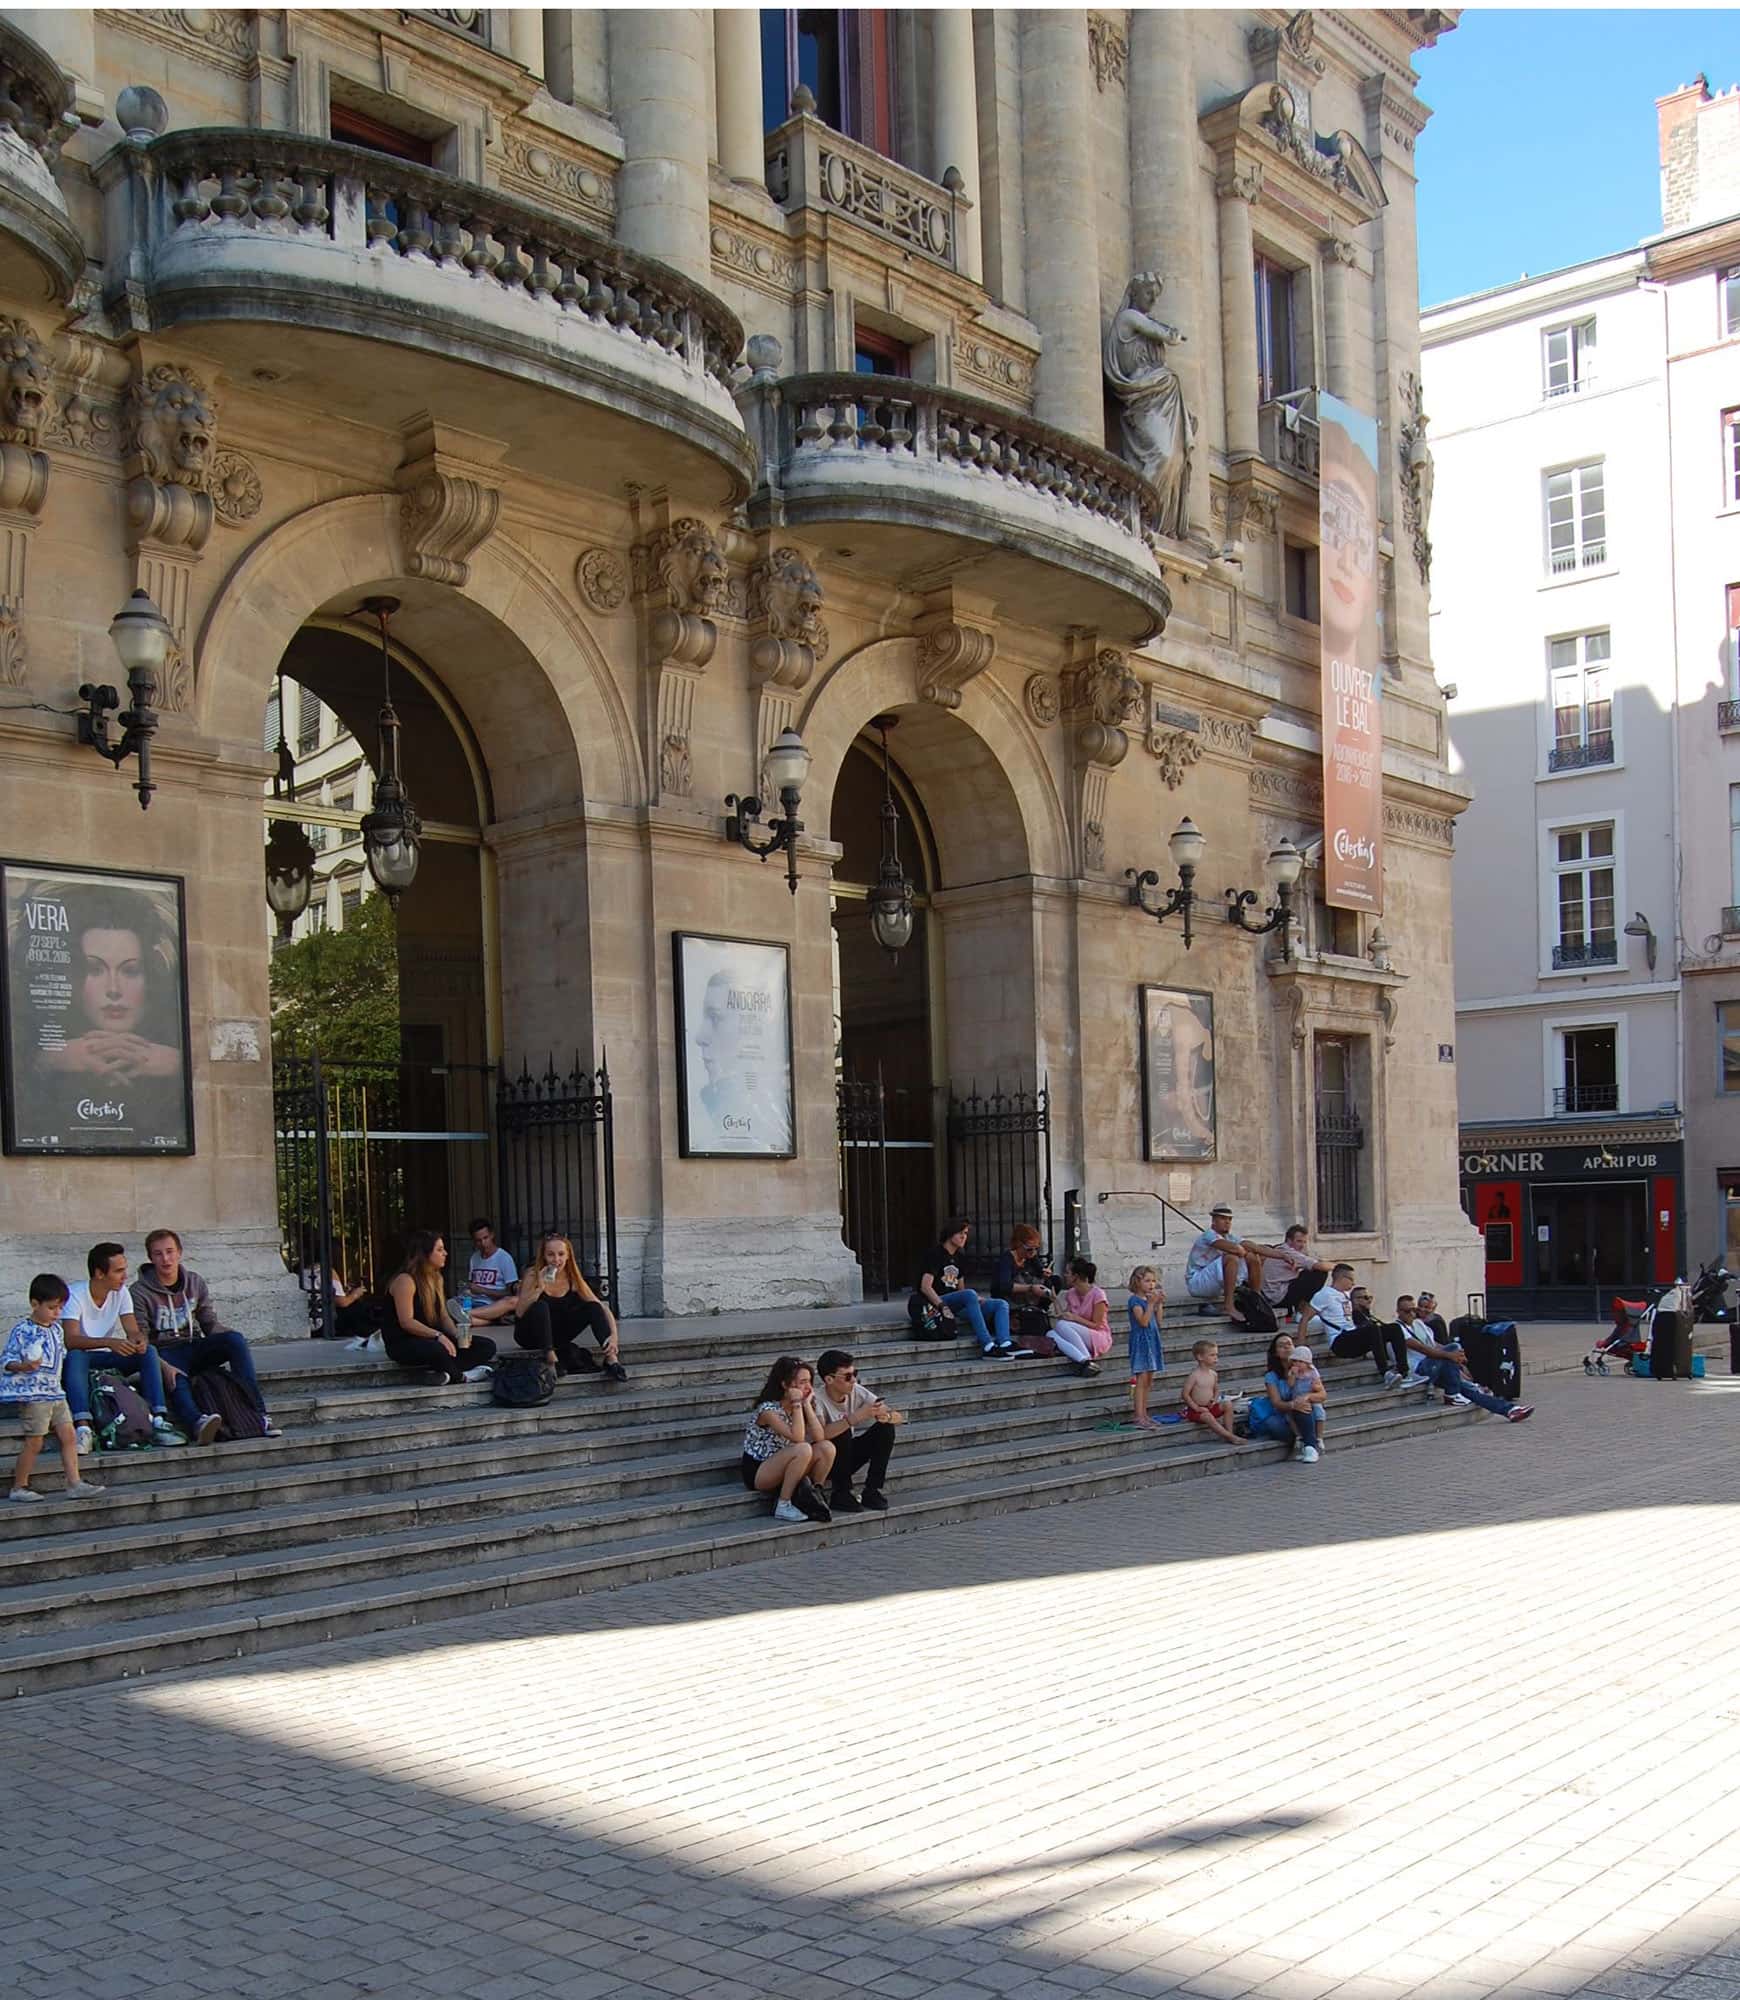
(492,1278)
(1219,1262)
(1331,1303)
(101,1331)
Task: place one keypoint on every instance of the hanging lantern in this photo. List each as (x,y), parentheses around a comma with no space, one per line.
(891,899)
(289,851)
(391,831)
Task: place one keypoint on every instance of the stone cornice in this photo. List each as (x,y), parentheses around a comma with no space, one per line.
(1662,1130)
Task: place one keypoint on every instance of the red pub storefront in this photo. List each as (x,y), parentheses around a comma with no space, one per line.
(1570,1219)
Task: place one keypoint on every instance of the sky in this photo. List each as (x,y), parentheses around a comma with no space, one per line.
(1541,150)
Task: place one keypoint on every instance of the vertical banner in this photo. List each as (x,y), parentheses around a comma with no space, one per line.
(1353,731)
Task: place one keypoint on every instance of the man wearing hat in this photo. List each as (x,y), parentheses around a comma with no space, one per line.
(1220,1262)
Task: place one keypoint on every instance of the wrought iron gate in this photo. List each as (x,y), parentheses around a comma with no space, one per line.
(556,1156)
(999,1167)
(860,1116)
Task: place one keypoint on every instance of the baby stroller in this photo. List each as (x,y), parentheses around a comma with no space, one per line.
(1629,1336)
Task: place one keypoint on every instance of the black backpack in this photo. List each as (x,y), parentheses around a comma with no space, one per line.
(121,1416)
(523,1380)
(1259,1315)
(217,1391)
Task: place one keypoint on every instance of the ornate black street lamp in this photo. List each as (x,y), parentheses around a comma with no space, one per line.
(1285,862)
(392,832)
(289,851)
(142,639)
(788,765)
(1186,849)
(891,899)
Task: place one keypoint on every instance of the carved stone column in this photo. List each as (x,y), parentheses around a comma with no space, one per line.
(1060,199)
(787,639)
(1164,186)
(1339,258)
(682,582)
(659,95)
(737,92)
(1238,188)
(955,101)
(526,37)
(23,480)
(1101,698)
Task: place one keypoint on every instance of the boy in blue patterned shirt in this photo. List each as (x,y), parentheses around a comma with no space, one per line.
(30,1378)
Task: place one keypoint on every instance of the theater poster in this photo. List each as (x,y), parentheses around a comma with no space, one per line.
(734,1054)
(1353,734)
(93,1001)
(1177,1035)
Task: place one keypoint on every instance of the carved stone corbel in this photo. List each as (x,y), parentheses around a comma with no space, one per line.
(1101,697)
(682,586)
(450,487)
(1296,1014)
(24,408)
(169,447)
(1174,751)
(788,636)
(950,655)
(1389,1007)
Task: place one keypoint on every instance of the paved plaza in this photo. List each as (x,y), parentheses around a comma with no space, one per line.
(1456,1717)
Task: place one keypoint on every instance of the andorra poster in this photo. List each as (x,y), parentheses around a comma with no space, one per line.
(1353,729)
(95,1012)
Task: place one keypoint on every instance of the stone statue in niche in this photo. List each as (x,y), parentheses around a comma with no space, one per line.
(1154,427)
(1417,475)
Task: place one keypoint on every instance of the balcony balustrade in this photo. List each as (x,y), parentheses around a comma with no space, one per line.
(40,251)
(1067,531)
(1585,951)
(1572,755)
(811,166)
(1727,715)
(1288,434)
(1579,1099)
(246,234)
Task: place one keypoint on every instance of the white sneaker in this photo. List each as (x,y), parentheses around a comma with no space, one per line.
(23,1493)
(164,1432)
(84,1489)
(1392,1380)
(1308,1454)
(85,1438)
(481,1373)
(785,1511)
(1458,1403)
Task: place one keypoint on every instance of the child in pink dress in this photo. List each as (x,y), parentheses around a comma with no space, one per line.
(1082,1329)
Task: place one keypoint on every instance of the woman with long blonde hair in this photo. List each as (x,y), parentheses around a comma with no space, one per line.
(420,1332)
(556,1306)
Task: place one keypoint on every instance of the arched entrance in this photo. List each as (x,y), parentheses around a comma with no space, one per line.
(885,1014)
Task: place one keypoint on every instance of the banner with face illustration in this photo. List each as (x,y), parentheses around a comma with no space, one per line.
(95,1012)
(1353,732)
(734,1067)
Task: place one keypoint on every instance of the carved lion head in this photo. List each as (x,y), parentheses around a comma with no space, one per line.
(687,562)
(788,596)
(25,403)
(173,423)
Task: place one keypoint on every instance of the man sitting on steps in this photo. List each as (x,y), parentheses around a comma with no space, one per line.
(1220,1262)
(842,1403)
(182,1323)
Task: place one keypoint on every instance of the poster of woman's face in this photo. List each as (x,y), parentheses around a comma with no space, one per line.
(1177,1074)
(734,1067)
(95,1012)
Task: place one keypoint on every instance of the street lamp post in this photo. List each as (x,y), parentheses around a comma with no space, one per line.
(788,765)
(1186,849)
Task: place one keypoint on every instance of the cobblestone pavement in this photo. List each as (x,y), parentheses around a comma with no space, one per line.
(1448,1718)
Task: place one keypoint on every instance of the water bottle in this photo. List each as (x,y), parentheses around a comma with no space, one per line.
(462,1318)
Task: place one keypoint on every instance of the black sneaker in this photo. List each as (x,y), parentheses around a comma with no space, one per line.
(615,1371)
(875,1499)
(1086,1367)
(844,1501)
(808,1500)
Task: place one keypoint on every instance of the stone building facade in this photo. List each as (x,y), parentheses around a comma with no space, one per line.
(687,377)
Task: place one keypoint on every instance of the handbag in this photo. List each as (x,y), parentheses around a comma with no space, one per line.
(522,1380)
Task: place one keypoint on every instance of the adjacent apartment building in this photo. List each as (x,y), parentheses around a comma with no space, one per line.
(1586,625)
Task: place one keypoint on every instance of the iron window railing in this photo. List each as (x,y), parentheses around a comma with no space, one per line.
(1340,1204)
(1579,1097)
(1728,715)
(1731,920)
(1586,951)
(1596,748)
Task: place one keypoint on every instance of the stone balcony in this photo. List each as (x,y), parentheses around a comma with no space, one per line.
(1288,434)
(41,256)
(811,167)
(915,477)
(377,290)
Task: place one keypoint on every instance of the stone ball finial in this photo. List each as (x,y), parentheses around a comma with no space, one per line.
(803,101)
(765,352)
(954,180)
(142,114)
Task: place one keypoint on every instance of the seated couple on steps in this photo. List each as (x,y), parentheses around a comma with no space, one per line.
(552,1307)
(803,1435)
(942,1303)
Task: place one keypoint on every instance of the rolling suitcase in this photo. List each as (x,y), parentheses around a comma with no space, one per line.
(1670,1347)
(1494,1355)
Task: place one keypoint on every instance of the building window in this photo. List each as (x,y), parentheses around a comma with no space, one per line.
(844,56)
(1582,701)
(1568,357)
(307,722)
(1299,581)
(1340,1139)
(1728,1040)
(1576,518)
(357,128)
(1731,302)
(272,713)
(1728,926)
(1277,372)
(1731,458)
(1583,872)
(876,353)
(349,902)
(1588,1070)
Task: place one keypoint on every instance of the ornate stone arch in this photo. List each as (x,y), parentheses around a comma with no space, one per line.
(882,675)
(341,549)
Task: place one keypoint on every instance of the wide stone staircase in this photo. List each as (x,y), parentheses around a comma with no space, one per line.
(388,1504)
